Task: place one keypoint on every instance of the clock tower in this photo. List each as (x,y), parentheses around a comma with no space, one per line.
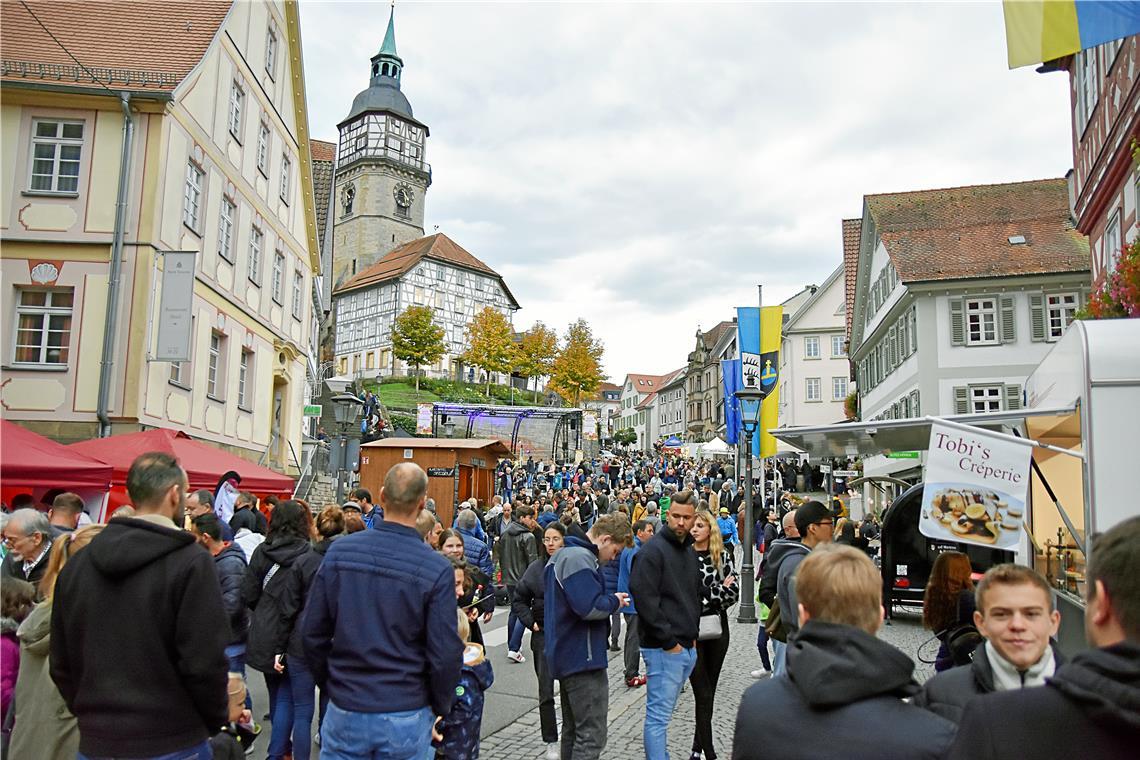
(381,175)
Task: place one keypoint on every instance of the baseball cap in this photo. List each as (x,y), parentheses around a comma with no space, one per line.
(809,514)
(351,505)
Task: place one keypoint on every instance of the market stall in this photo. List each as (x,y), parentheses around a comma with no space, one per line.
(31,463)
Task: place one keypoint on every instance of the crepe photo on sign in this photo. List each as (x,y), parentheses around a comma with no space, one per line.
(975,489)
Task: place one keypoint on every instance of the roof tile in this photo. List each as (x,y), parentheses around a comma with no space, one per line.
(852,233)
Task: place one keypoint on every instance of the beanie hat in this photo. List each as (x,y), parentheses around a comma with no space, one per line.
(809,514)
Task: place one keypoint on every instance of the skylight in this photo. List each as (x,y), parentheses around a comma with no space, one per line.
(1017,239)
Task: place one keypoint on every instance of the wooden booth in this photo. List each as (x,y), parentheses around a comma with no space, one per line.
(457,468)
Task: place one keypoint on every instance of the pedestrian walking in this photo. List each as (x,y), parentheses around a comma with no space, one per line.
(517,552)
(479,593)
(726,526)
(459,729)
(642,532)
(577,611)
(948,608)
(150,678)
(28,538)
(379,632)
(719,591)
(664,580)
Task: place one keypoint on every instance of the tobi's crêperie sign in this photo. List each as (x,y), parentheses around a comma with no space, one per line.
(975,489)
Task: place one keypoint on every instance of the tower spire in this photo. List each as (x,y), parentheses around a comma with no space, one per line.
(389,46)
(387,62)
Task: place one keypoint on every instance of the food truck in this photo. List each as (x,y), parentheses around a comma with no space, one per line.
(1080,416)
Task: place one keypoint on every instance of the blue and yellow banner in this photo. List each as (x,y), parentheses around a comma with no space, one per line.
(1045,30)
(758,335)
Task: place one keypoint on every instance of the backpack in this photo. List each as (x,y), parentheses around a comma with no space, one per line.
(961,641)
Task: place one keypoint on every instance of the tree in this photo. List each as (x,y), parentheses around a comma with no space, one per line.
(578,368)
(490,343)
(625,437)
(534,356)
(417,339)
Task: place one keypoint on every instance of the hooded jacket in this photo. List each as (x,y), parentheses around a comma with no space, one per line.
(774,556)
(665,580)
(843,685)
(269,627)
(150,678)
(948,692)
(44,726)
(1089,708)
(231,564)
(577,610)
(625,565)
(460,727)
(528,603)
(476,552)
(516,552)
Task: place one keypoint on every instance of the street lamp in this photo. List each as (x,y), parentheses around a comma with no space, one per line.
(750,399)
(346,410)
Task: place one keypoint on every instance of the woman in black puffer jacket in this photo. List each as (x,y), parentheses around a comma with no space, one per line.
(265,590)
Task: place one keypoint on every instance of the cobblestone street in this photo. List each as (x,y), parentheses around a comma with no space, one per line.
(521,739)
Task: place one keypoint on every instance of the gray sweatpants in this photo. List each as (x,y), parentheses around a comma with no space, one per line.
(585,703)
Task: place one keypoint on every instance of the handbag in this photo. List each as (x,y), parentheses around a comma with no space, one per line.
(775,624)
(709,628)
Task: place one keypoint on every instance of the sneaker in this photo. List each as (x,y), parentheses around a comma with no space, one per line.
(761,673)
(515,657)
(636,681)
(553,751)
(615,648)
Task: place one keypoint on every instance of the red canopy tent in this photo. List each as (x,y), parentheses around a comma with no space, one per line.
(29,461)
(204,464)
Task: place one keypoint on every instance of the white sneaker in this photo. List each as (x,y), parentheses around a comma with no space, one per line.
(761,673)
(515,657)
(553,751)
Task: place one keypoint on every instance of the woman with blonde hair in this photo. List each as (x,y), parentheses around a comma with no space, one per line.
(718,592)
(948,601)
(43,726)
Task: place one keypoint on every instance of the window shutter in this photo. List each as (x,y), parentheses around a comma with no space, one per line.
(890,349)
(961,400)
(957,323)
(1008,319)
(1012,397)
(1037,316)
(914,410)
(913,330)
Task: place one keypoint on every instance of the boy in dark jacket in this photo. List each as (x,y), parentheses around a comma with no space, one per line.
(460,727)
(577,610)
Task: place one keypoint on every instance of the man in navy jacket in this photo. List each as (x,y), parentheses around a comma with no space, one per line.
(379,631)
(577,612)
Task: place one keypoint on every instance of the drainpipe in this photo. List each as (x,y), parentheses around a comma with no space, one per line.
(110,323)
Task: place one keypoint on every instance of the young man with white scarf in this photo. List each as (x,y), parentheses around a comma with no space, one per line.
(1017,617)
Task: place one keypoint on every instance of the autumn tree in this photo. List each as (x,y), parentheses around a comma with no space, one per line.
(490,343)
(417,339)
(535,353)
(578,368)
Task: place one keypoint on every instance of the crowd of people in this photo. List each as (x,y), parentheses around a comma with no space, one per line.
(367,617)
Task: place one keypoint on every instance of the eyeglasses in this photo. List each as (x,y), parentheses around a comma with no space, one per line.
(824,522)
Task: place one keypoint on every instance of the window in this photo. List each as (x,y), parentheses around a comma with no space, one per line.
(237,102)
(263,150)
(985,398)
(278,285)
(811,347)
(43,330)
(1061,307)
(1087,82)
(56,149)
(270,51)
(256,239)
(837,347)
(838,388)
(298,291)
(226,230)
(176,372)
(981,321)
(1111,242)
(192,196)
(216,370)
(286,168)
(440,273)
(243,397)
(814,389)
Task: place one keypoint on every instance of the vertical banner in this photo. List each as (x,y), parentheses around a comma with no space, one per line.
(730,380)
(976,486)
(758,334)
(423,419)
(590,426)
(175,313)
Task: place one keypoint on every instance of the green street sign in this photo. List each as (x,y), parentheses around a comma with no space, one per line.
(312,410)
(903,455)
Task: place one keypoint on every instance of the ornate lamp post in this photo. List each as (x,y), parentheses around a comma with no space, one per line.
(347,409)
(750,398)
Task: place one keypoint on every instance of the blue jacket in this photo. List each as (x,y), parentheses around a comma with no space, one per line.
(625,564)
(477,531)
(577,610)
(728,530)
(477,553)
(545,518)
(610,575)
(379,626)
(460,727)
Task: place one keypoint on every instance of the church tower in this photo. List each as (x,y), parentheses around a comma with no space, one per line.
(381,175)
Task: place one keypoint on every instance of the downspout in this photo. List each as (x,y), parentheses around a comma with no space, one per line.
(110,323)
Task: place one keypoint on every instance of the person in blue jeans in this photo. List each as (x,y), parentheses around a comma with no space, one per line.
(665,581)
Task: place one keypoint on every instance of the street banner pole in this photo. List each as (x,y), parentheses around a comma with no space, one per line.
(747,611)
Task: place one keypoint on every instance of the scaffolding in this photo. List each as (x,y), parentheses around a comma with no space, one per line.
(540,431)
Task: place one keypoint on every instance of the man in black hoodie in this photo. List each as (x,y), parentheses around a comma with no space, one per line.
(1091,705)
(843,695)
(138,629)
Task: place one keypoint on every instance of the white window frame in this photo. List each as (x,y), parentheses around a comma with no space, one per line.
(236,109)
(987,316)
(176,373)
(1060,310)
(58,143)
(216,368)
(811,347)
(1087,83)
(263,135)
(271,51)
(277,286)
(45,312)
(298,294)
(245,363)
(192,196)
(1111,243)
(286,174)
(986,398)
(810,384)
(838,388)
(838,350)
(256,245)
(227,214)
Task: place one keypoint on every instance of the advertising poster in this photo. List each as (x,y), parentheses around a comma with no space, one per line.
(590,426)
(423,419)
(976,487)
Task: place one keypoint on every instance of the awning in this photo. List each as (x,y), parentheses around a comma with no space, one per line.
(864,439)
(28,460)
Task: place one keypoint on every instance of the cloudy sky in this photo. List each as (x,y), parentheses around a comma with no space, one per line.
(645,166)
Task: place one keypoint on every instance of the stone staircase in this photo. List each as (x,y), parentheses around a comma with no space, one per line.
(319,491)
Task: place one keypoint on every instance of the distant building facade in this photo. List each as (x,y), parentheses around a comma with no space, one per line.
(814,369)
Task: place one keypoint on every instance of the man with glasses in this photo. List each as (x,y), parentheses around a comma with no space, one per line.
(28,538)
(814,523)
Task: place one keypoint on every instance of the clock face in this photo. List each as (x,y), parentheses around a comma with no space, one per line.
(403,195)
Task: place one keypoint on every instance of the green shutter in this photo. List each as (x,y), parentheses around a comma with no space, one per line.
(914,409)
(1037,316)
(961,400)
(1008,319)
(1012,397)
(892,355)
(957,322)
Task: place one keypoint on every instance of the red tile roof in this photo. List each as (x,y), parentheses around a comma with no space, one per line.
(126,44)
(608,387)
(852,231)
(647,401)
(645,383)
(399,261)
(963,232)
(322,154)
(322,150)
(713,336)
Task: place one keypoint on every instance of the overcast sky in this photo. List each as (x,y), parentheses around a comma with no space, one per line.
(646,166)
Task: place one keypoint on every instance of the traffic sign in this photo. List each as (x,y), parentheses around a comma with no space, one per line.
(312,410)
(825,468)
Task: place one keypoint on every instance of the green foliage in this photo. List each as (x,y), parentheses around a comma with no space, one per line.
(535,353)
(625,437)
(490,343)
(577,370)
(416,338)
(851,405)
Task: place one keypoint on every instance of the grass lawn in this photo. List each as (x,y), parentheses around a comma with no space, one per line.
(401,396)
